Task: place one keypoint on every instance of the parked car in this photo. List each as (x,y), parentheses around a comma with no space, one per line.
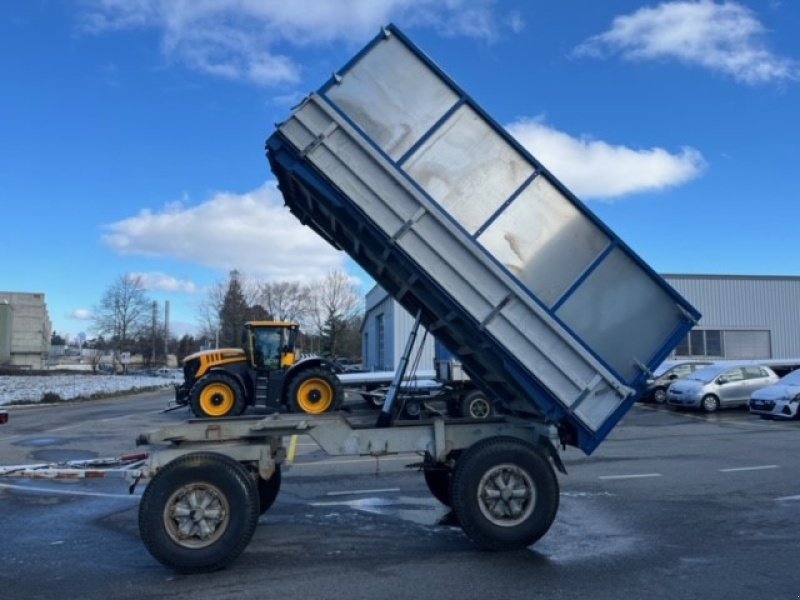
(347,365)
(667,373)
(720,386)
(780,400)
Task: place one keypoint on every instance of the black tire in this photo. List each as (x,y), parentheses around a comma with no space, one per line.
(709,403)
(315,391)
(660,395)
(440,484)
(216,395)
(505,493)
(199,512)
(268,490)
(373,400)
(412,408)
(475,405)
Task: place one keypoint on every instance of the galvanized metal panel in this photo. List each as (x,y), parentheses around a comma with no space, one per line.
(555,310)
(534,233)
(393,96)
(468,168)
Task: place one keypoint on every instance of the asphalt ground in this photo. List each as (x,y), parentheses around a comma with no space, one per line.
(672,505)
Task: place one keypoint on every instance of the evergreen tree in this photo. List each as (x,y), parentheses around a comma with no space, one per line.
(234,313)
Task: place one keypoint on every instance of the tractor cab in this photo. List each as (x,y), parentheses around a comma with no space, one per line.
(271,345)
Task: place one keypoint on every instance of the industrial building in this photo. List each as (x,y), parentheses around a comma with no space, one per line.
(744,317)
(25,330)
(384,332)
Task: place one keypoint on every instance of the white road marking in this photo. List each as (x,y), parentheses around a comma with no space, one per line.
(41,490)
(637,476)
(759,468)
(788,498)
(362,492)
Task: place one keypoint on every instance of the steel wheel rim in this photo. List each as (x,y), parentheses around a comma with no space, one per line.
(506,495)
(479,408)
(709,404)
(660,396)
(196,515)
(216,399)
(315,396)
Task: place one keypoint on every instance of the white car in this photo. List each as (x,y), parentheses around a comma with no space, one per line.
(780,400)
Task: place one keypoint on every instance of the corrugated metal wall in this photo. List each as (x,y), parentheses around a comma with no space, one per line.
(747,302)
(397,326)
(376,354)
(727,302)
(403,323)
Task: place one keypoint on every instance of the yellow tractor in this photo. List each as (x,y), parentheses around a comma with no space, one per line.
(266,370)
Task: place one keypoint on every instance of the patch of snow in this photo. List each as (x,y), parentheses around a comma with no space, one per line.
(31,388)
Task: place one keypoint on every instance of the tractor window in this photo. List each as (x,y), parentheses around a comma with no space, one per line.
(268,348)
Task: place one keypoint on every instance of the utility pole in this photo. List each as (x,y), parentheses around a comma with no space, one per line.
(153,334)
(166,331)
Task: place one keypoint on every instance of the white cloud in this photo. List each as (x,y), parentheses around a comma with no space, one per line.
(596,169)
(80,314)
(726,37)
(167,283)
(252,232)
(238,39)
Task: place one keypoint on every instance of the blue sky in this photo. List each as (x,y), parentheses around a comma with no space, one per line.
(133,131)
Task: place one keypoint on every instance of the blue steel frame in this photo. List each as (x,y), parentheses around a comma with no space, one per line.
(320,205)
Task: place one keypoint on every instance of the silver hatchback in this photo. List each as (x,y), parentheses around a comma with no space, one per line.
(720,386)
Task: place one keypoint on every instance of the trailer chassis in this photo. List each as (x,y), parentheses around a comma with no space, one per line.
(211,479)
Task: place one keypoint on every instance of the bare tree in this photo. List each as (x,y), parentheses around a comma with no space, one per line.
(209,311)
(335,302)
(123,311)
(285,300)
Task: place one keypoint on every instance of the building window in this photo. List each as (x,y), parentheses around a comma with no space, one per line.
(725,343)
(380,350)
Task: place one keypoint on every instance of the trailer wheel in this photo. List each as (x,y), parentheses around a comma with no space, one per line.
(440,483)
(268,490)
(505,493)
(475,405)
(412,408)
(199,512)
(373,400)
(216,395)
(315,391)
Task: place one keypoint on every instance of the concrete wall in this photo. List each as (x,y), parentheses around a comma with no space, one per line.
(6,314)
(29,329)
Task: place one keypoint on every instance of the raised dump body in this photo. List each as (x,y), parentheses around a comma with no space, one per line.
(549,311)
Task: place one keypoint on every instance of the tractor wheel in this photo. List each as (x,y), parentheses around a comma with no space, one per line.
(199,512)
(315,391)
(504,494)
(216,395)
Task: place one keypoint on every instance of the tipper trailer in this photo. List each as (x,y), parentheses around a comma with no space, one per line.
(551,314)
